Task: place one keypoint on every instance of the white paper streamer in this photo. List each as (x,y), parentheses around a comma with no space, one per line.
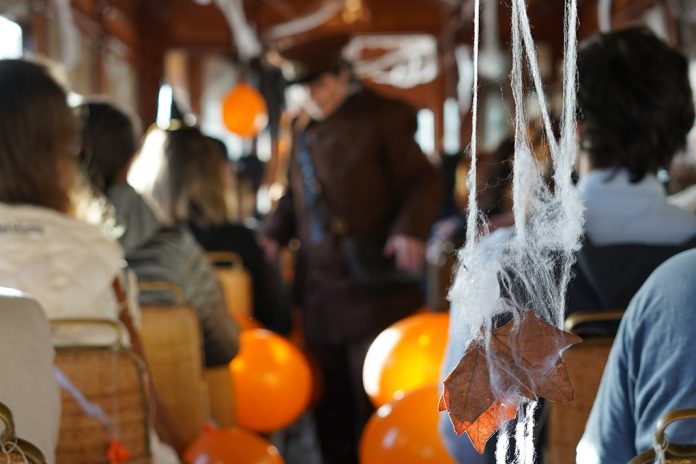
(244,35)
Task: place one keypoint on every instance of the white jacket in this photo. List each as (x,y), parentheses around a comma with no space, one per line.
(65,264)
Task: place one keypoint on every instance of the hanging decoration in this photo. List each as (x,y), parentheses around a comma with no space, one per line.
(327,10)
(244,111)
(509,290)
(248,45)
(408,60)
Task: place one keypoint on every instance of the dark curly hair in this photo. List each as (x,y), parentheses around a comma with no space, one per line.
(635,101)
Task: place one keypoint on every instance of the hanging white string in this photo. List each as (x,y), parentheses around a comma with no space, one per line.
(472,218)
(92,410)
(328,10)
(503,444)
(243,33)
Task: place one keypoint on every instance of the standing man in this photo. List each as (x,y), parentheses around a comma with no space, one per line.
(360,191)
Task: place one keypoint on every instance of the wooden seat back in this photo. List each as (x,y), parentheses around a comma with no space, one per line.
(110,381)
(172,343)
(585,363)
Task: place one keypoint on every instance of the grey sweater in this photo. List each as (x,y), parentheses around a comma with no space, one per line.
(157,252)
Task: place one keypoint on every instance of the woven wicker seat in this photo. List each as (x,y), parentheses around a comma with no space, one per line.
(171,338)
(235,282)
(585,363)
(16,449)
(221,396)
(673,454)
(113,378)
(236,286)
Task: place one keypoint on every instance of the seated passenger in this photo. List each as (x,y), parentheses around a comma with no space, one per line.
(154,251)
(68,265)
(198,166)
(650,368)
(636,109)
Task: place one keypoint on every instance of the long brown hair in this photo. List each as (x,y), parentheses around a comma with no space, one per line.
(37,134)
(182,176)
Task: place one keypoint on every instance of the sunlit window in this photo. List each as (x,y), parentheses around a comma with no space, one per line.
(164,106)
(425,135)
(10,39)
(452,123)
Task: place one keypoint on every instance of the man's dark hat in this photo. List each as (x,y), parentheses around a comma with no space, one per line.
(302,62)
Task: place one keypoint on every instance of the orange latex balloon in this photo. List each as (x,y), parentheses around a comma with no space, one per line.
(405,432)
(231,446)
(272,381)
(405,356)
(244,111)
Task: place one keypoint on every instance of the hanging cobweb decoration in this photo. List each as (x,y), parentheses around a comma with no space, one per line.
(508,296)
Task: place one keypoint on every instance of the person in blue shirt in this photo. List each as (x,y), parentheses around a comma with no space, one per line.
(650,370)
(636,109)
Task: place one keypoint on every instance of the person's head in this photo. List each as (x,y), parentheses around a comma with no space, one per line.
(319,66)
(327,91)
(181,172)
(634,101)
(109,143)
(37,138)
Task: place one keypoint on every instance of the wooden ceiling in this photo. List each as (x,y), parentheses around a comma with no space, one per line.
(200,24)
(197,24)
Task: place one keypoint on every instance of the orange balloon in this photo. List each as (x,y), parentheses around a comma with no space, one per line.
(244,111)
(231,445)
(405,356)
(272,381)
(405,432)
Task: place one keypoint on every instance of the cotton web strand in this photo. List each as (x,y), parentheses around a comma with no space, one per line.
(509,272)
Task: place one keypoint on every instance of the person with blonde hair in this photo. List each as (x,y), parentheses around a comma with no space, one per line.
(154,250)
(191,186)
(71,267)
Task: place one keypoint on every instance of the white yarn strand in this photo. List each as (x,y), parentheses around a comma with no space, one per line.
(502,444)
(533,65)
(472,217)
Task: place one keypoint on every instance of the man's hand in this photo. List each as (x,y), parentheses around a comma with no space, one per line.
(270,248)
(409,252)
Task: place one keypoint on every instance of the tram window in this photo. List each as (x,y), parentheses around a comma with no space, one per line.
(452,122)
(425,135)
(10,39)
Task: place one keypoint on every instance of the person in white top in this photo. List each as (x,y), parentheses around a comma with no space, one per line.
(68,265)
(71,267)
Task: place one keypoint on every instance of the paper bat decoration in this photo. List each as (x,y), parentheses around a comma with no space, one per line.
(525,363)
